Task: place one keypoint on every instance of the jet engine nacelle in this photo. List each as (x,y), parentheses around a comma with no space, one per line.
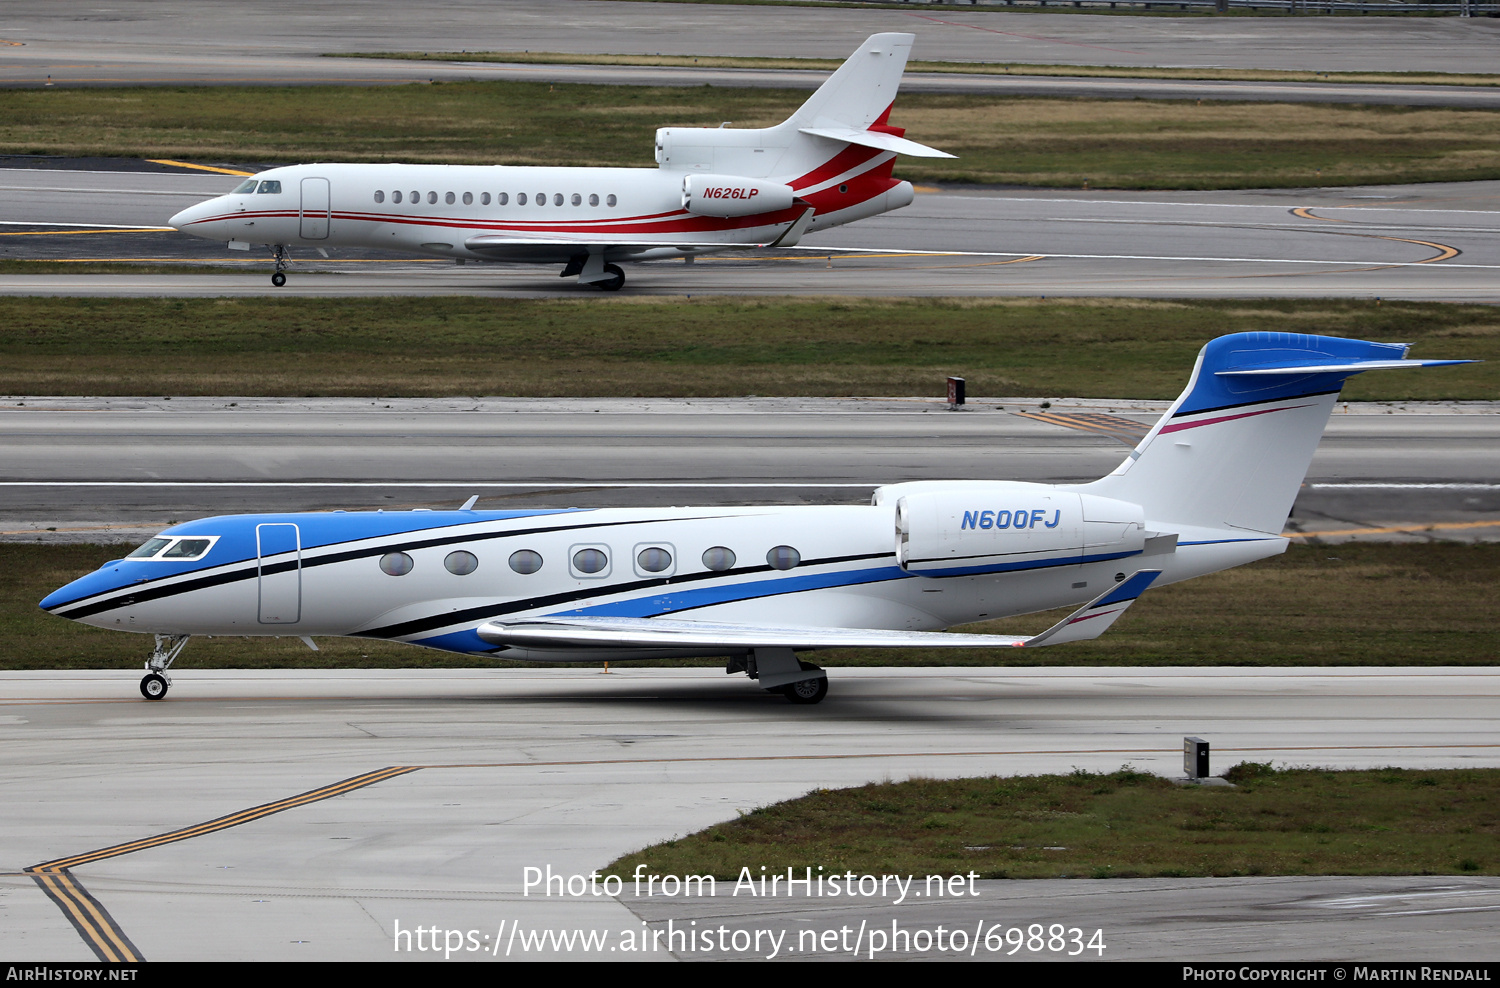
(992,528)
(729,195)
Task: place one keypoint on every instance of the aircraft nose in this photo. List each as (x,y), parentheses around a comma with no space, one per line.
(190,215)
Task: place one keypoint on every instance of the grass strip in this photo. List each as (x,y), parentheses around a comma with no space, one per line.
(965,68)
(1127,144)
(613,346)
(1124,824)
(1375,605)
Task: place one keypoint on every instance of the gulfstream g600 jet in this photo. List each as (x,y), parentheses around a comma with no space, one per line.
(713,190)
(1209,487)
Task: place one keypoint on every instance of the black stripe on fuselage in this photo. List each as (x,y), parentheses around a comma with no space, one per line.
(418,625)
(133,595)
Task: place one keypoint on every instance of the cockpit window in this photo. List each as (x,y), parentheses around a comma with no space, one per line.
(269,186)
(187,549)
(184,548)
(248,185)
(151,548)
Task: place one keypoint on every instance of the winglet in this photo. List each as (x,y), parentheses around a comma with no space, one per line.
(794,232)
(1094,618)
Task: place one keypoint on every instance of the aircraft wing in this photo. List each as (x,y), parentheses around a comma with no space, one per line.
(565,248)
(572,631)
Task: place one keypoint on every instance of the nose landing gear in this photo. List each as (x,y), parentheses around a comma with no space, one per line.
(156,682)
(282,260)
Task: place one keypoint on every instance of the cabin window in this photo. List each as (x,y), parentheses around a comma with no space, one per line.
(541,198)
(525,561)
(396,196)
(379,196)
(270,188)
(520,199)
(557,199)
(188,549)
(654,559)
(248,185)
(484,199)
(590,561)
(432,198)
(416,197)
(783,557)
(460,563)
(148,549)
(718,559)
(594,199)
(503,198)
(610,199)
(468,198)
(577,199)
(395,564)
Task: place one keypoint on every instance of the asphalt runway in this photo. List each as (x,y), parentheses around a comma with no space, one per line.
(1420,242)
(423,796)
(110,470)
(278,42)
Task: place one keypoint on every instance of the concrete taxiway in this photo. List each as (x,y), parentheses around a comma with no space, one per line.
(117,469)
(423,796)
(1437,241)
(273,42)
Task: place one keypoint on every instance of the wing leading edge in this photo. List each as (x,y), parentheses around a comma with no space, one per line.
(568,631)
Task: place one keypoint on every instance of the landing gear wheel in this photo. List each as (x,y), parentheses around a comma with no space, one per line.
(807,691)
(279,254)
(616,280)
(154,686)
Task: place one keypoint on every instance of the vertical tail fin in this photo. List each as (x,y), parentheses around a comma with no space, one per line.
(812,146)
(1232,451)
(862,89)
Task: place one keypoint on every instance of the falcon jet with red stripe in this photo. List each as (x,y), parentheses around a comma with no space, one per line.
(713,189)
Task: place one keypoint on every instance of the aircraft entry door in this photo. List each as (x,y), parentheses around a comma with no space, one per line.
(280,579)
(315,209)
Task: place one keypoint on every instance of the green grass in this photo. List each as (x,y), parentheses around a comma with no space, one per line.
(999,139)
(1366,604)
(1122,824)
(700,347)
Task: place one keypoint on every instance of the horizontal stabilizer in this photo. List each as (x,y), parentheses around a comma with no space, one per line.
(1342,367)
(877,140)
(570,631)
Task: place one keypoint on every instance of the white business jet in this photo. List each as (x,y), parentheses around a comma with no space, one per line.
(713,190)
(1210,487)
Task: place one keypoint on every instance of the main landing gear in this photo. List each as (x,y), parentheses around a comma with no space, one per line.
(591,270)
(614,282)
(282,260)
(156,682)
(780,671)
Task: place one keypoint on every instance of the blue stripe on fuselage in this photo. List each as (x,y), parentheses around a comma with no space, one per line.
(237,543)
(675,601)
(688,599)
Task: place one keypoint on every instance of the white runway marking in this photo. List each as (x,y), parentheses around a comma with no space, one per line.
(1405,487)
